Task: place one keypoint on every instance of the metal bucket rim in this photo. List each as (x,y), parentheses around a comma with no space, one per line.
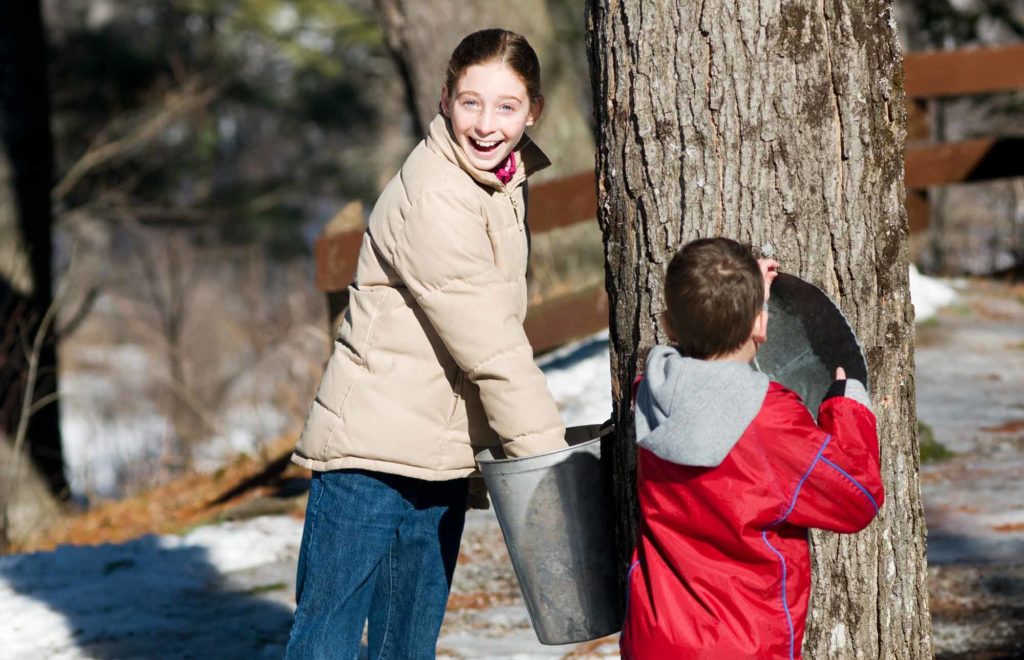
(518,465)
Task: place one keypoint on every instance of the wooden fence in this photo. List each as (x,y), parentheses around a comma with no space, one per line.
(965,72)
(572,199)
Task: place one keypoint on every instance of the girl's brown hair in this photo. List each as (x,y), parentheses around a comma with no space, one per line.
(495,44)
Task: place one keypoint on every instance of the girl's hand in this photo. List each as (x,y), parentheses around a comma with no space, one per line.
(769,271)
(840,373)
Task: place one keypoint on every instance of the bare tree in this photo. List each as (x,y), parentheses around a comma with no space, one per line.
(26,504)
(26,178)
(217,321)
(780,124)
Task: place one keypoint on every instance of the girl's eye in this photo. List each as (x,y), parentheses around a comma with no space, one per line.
(505,107)
(470,103)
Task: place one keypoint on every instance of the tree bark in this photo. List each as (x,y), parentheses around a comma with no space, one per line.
(422,34)
(26,178)
(781,125)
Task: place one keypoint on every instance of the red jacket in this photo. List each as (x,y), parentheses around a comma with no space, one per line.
(722,565)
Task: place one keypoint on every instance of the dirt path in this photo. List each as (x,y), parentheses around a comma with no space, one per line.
(970,392)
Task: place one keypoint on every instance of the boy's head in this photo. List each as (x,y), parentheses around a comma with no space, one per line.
(714,296)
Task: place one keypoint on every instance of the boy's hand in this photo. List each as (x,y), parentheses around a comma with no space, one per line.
(769,271)
(850,388)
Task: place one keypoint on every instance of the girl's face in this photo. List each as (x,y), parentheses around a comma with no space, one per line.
(489,110)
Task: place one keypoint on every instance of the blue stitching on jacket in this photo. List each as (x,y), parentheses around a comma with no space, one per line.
(854,481)
(785,604)
(800,485)
(782,559)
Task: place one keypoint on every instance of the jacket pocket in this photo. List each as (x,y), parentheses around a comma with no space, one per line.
(344,349)
(458,400)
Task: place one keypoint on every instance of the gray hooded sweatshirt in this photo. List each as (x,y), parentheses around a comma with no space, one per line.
(692,412)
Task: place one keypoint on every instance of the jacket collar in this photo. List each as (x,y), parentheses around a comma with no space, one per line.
(441,140)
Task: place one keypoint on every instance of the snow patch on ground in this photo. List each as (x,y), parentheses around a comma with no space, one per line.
(579,377)
(115,433)
(928,294)
(154,597)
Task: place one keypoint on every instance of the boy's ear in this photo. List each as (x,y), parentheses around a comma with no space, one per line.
(759,333)
(667,327)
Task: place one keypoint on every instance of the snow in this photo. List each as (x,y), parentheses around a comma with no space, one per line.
(579,377)
(928,294)
(151,597)
(229,586)
(114,432)
(105,429)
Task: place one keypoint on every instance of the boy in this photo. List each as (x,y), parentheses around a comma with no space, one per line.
(731,472)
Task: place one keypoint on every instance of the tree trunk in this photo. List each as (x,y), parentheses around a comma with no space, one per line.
(26,507)
(781,125)
(26,170)
(423,33)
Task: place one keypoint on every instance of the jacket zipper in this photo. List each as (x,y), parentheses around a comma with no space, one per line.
(516,211)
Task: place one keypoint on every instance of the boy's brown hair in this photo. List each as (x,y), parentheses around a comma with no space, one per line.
(713,294)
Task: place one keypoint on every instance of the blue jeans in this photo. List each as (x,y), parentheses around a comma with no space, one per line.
(380,548)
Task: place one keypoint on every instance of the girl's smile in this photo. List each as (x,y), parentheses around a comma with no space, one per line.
(489,110)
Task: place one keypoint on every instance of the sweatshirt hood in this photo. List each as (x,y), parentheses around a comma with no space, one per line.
(692,412)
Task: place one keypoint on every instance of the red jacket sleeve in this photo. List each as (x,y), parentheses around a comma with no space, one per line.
(841,489)
(828,473)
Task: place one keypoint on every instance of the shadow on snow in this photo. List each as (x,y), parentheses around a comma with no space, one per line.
(150,599)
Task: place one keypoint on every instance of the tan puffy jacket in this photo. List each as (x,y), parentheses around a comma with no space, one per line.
(431,363)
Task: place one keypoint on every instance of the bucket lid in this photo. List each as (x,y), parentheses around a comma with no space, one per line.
(808,337)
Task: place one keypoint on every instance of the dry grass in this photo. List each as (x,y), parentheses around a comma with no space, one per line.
(1012,426)
(171,508)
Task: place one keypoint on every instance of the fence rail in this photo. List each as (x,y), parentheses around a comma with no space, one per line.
(983,159)
(963,72)
(572,199)
(970,71)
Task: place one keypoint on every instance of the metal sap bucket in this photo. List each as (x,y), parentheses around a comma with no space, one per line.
(808,337)
(555,513)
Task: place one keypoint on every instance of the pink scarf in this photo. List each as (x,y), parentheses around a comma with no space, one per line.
(506,171)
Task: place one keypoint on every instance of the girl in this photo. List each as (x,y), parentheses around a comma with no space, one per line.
(431,365)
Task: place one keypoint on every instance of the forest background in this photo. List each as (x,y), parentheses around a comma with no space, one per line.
(200,146)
